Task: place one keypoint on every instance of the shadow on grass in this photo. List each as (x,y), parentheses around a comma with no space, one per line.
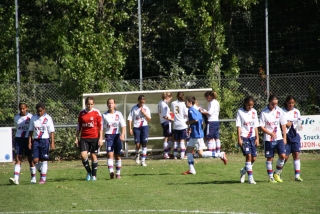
(206,182)
(141,174)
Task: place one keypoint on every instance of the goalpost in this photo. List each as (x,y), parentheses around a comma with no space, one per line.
(126,100)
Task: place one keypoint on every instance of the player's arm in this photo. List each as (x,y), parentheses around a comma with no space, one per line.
(123,127)
(30,139)
(264,129)
(52,144)
(283,121)
(100,128)
(256,142)
(146,113)
(239,136)
(79,128)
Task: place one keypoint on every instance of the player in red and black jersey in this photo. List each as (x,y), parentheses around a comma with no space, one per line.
(90,127)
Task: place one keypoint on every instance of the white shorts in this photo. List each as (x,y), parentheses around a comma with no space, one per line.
(197,143)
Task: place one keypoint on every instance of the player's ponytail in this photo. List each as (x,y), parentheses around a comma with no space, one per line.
(212,94)
(166,95)
(180,96)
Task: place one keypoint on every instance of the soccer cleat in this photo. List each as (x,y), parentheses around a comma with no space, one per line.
(14,181)
(137,159)
(298,179)
(88,178)
(33,181)
(175,158)
(143,163)
(94,178)
(166,157)
(42,181)
(118,176)
(224,158)
(189,173)
(271,180)
(242,175)
(111,175)
(251,181)
(277,178)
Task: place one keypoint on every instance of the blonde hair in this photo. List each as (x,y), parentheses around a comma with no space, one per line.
(213,94)
(166,95)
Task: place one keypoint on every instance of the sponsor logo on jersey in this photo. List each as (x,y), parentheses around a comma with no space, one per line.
(295,114)
(27,121)
(117,117)
(253,115)
(45,121)
(275,123)
(89,125)
(277,114)
(250,123)
(91,118)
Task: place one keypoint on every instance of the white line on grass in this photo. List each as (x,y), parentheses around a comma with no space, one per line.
(147,211)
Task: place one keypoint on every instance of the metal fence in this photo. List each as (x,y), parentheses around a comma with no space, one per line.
(65,108)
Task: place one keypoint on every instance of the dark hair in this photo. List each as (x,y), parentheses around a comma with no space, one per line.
(180,96)
(40,105)
(247,100)
(113,101)
(272,97)
(213,94)
(23,103)
(191,99)
(141,97)
(288,98)
(89,98)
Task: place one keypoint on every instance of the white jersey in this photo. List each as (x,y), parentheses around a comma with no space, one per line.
(213,111)
(138,118)
(22,125)
(292,116)
(41,126)
(180,114)
(163,111)
(113,122)
(272,121)
(247,121)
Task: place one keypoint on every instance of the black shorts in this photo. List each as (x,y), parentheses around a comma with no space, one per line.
(89,145)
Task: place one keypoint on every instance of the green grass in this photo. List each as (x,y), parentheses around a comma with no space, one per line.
(160,188)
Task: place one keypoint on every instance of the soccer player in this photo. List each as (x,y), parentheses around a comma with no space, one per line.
(165,121)
(248,136)
(293,142)
(22,122)
(140,115)
(112,121)
(272,123)
(90,127)
(213,127)
(180,131)
(41,140)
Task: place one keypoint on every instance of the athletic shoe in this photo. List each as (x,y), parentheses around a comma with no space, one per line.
(166,157)
(143,163)
(224,158)
(14,181)
(298,179)
(42,181)
(94,178)
(242,175)
(33,180)
(251,181)
(118,176)
(175,158)
(111,175)
(277,178)
(189,173)
(88,178)
(271,180)
(137,159)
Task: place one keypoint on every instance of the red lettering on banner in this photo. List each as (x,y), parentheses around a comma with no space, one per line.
(308,144)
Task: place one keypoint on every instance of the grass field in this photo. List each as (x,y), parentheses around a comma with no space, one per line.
(160,188)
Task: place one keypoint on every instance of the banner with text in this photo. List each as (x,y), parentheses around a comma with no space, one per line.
(310,133)
(6,144)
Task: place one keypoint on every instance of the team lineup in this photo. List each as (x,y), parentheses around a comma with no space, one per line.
(195,133)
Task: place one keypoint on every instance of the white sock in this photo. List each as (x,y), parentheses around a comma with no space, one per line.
(17,169)
(207,154)
(144,154)
(118,166)
(110,165)
(175,149)
(191,162)
(218,143)
(165,148)
(182,150)
(33,171)
(249,170)
(296,166)
(280,164)
(44,170)
(269,168)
